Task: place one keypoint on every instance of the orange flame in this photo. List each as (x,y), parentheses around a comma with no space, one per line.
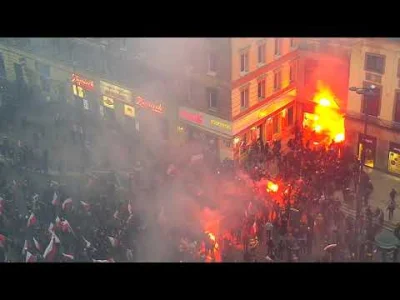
(327,119)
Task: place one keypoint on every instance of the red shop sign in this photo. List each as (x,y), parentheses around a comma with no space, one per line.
(158,108)
(84,83)
(191,117)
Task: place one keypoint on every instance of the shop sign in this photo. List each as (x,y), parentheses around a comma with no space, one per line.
(82,82)
(115,92)
(108,102)
(370,140)
(205,120)
(256,115)
(394,147)
(129,111)
(158,108)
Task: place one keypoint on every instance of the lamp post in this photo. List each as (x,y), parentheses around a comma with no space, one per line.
(361,91)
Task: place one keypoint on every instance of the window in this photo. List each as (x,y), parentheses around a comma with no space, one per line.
(397,107)
(290,116)
(373,101)
(275,124)
(292,71)
(293,43)
(212,98)
(261,89)
(244,62)
(375,63)
(278,46)
(212,63)
(261,53)
(277,80)
(2,67)
(244,98)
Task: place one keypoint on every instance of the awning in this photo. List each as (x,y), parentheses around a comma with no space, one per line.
(220,134)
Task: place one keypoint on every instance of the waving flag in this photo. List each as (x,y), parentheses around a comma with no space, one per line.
(66,203)
(55,200)
(26,246)
(2,240)
(66,227)
(113,241)
(116,215)
(32,220)
(85,205)
(58,222)
(50,251)
(68,256)
(51,228)
(37,245)
(130,208)
(30,258)
(87,243)
(56,239)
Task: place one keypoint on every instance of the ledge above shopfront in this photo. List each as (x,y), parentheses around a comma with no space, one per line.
(206,122)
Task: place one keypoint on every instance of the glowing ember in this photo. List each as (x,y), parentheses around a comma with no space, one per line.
(327,119)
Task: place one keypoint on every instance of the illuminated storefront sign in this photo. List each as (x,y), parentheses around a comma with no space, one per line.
(205,120)
(115,92)
(129,111)
(394,158)
(158,108)
(79,81)
(264,111)
(80,85)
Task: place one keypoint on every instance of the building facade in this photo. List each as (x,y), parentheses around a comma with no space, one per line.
(375,62)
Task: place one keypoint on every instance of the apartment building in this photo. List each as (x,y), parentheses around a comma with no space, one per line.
(375,62)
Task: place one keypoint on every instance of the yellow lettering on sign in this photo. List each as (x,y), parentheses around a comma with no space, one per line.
(220,124)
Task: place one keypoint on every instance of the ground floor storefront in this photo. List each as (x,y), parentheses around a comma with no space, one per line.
(381,145)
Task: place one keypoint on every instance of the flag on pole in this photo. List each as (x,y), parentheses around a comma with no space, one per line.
(68,256)
(85,205)
(31,220)
(66,227)
(37,245)
(26,246)
(58,222)
(253,229)
(66,203)
(51,228)
(130,208)
(87,243)
(30,258)
(50,251)
(56,239)
(2,240)
(115,215)
(113,241)
(55,200)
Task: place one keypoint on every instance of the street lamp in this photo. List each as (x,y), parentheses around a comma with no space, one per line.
(361,91)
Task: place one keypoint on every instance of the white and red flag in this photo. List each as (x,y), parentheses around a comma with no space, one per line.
(26,246)
(113,241)
(253,229)
(67,203)
(30,258)
(68,256)
(37,245)
(130,210)
(55,200)
(58,222)
(51,228)
(51,250)
(2,240)
(87,243)
(32,220)
(85,205)
(66,227)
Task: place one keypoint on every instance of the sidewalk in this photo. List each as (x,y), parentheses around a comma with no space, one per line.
(383,184)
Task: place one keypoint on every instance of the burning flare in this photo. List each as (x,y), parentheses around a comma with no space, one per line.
(327,118)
